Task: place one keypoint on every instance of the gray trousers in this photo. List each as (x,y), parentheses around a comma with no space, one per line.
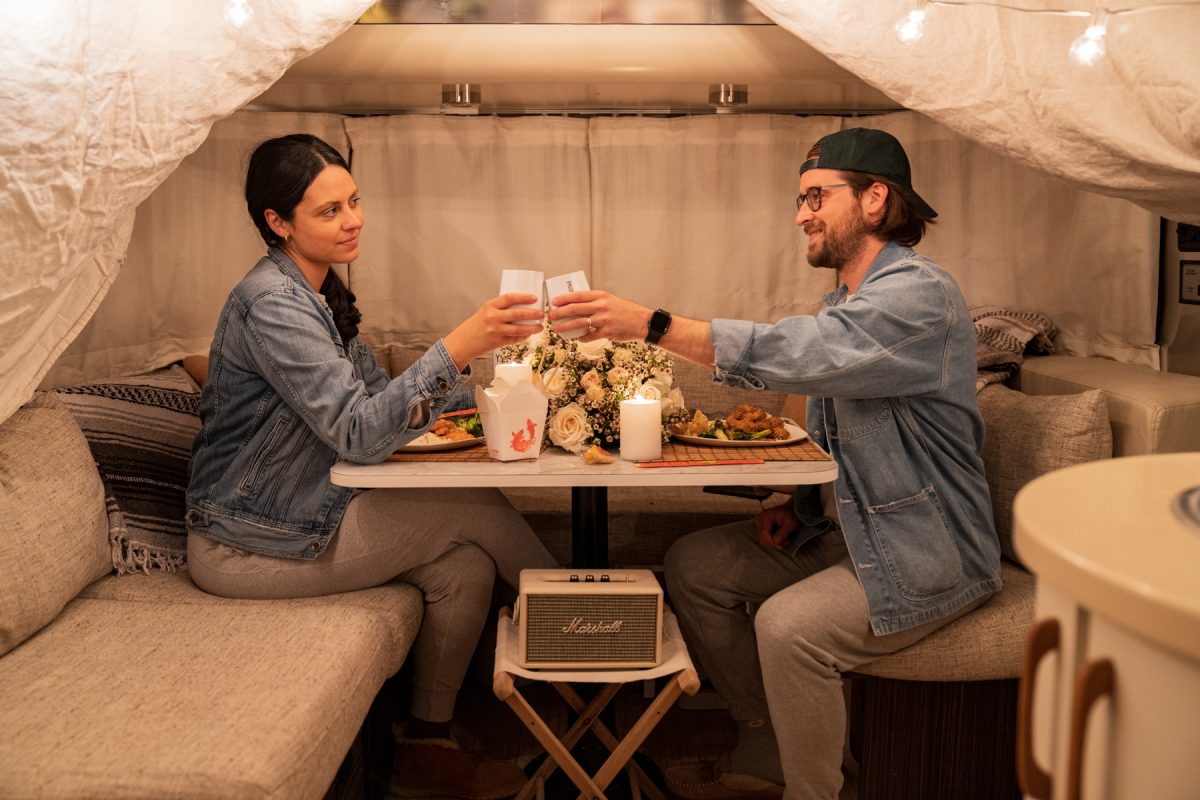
(785,661)
(449,543)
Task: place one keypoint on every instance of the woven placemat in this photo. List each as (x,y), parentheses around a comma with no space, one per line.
(465,455)
(686,452)
(672,452)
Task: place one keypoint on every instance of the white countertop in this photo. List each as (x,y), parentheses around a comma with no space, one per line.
(557,467)
(1106,533)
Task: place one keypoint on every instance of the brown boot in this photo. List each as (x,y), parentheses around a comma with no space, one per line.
(704,780)
(439,768)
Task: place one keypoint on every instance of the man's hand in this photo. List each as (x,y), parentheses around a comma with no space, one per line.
(774,525)
(601,316)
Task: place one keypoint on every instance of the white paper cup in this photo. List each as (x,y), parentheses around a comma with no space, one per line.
(526,281)
(561,284)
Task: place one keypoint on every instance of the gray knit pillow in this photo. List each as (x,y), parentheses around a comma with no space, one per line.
(1030,435)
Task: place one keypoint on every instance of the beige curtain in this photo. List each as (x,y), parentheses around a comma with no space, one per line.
(450,202)
(696,214)
(1014,237)
(192,241)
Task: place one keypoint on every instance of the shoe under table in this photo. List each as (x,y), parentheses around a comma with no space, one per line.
(675,663)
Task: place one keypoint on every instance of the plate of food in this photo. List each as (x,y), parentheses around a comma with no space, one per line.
(452,431)
(746,426)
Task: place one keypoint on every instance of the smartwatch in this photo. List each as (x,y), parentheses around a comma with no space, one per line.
(660,321)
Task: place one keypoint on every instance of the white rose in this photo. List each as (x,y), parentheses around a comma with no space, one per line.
(589,379)
(672,401)
(594,394)
(593,351)
(552,382)
(569,427)
(617,376)
(622,356)
(537,340)
(664,377)
(654,389)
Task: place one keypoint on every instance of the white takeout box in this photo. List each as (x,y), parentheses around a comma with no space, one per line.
(514,419)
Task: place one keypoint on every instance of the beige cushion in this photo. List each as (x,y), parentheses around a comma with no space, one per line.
(55,536)
(1150,411)
(397,606)
(143,697)
(700,392)
(985,645)
(1029,436)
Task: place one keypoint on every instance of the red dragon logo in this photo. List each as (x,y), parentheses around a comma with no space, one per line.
(523,440)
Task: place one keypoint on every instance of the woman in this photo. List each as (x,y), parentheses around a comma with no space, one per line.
(291,390)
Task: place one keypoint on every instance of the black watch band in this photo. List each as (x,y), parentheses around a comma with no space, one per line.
(660,321)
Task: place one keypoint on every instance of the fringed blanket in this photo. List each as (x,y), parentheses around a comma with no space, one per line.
(1004,336)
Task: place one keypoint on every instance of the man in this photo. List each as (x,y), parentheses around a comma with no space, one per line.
(889,368)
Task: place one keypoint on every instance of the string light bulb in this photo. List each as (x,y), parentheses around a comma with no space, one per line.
(911,26)
(238,13)
(1089,47)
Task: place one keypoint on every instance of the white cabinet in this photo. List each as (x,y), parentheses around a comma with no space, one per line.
(1111,695)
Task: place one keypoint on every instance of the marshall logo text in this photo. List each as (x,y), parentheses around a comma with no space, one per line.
(577,625)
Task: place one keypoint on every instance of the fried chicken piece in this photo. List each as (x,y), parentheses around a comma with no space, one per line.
(699,424)
(752,419)
(447,430)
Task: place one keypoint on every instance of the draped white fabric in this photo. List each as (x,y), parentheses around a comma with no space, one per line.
(693,213)
(100,102)
(1127,126)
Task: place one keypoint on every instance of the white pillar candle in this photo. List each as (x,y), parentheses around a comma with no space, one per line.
(641,429)
(514,372)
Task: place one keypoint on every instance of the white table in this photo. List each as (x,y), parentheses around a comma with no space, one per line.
(589,483)
(1113,660)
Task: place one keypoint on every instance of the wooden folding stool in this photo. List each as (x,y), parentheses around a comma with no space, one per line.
(675,662)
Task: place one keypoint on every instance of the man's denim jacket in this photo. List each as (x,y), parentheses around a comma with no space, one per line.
(285,399)
(890,375)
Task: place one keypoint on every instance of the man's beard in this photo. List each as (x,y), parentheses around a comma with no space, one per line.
(842,242)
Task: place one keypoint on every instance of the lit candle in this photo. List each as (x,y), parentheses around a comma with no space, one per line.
(513,372)
(641,429)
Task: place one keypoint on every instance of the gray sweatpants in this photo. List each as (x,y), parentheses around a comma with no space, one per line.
(787,659)
(449,543)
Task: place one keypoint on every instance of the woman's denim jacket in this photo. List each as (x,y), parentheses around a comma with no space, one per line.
(890,375)
(285,399)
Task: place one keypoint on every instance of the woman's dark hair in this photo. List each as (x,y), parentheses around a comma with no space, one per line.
(279,173)
(901,222)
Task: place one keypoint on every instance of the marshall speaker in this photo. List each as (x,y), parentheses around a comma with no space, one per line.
(576,619)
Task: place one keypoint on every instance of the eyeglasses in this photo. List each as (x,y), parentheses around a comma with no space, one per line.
(814,195)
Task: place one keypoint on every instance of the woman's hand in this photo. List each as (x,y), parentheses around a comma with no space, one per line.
(492,326)
(774,525)
(601,316)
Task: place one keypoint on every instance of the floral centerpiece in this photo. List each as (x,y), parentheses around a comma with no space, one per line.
(585,383)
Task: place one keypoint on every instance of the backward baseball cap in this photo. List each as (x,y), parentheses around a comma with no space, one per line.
(867,150)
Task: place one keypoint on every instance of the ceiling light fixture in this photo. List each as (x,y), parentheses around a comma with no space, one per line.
(727,97)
